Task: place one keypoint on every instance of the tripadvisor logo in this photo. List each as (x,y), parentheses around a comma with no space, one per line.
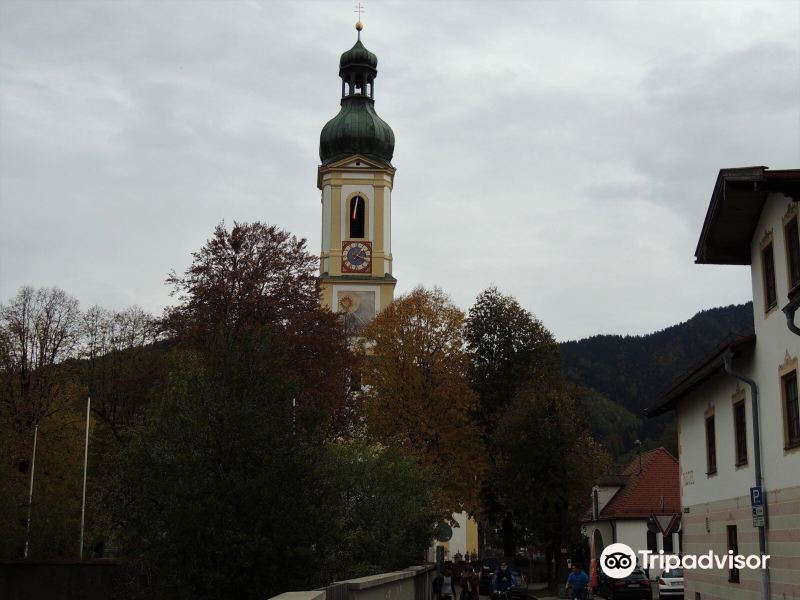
(619,560)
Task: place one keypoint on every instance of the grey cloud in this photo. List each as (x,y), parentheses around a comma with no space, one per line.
(564,151)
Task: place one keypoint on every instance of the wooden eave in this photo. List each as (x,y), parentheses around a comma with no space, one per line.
(735,208)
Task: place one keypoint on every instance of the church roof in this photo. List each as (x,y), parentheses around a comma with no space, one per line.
(653,489)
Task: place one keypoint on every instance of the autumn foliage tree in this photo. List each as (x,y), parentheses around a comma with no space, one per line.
(257,276)
(418,395)
(245,480)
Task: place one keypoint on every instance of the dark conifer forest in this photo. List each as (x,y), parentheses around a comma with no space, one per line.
(618,377)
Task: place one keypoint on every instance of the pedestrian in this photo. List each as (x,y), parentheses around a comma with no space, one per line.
(469,584)
(577,582)
(503,579)
(444,585)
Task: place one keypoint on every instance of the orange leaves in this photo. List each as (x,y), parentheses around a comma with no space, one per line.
(418,395)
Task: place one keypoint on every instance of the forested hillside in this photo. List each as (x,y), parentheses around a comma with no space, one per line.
(631,371)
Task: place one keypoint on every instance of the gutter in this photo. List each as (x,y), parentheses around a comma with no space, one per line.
(789,310)
(762,536)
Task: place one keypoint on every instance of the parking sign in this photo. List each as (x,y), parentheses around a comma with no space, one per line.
(756,496)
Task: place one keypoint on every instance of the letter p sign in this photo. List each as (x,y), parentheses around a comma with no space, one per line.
(756,496)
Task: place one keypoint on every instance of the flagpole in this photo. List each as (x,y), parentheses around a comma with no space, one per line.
(85,465)
(30,492)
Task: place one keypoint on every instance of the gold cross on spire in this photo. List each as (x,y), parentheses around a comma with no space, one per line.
(359,25)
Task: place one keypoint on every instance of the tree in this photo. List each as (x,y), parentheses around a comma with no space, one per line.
(382,508)
(122,365)
(257,276)
(38,330)
(547,466)
(418,397)
(219,484)
(239,482)
(231,492)
(509,348)
(254,274)
(610,422)
(545,459)
(123,368)
(39,334)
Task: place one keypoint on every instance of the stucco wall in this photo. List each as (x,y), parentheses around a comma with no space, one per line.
(716,501)
(705,528)
(774,345)
(633,533)
(605,494)
(465,538)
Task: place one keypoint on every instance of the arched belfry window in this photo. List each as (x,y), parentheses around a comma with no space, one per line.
(358,209)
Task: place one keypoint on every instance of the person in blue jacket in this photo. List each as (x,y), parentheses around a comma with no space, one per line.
(503,579)
(578,582)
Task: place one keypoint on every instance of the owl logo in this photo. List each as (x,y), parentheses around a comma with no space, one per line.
(618,560)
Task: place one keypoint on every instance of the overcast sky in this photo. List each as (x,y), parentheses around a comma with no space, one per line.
(563,151)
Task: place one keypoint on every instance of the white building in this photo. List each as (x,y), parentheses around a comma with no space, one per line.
(752,220)
(640,507)
(464,540)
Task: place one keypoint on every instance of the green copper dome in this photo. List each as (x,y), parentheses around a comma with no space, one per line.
(357,129)
(358,55)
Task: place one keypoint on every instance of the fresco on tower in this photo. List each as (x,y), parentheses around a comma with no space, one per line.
(358,308)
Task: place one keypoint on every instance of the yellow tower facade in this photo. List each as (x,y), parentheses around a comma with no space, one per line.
(356,178)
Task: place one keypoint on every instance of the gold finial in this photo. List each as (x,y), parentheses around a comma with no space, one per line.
(359,25)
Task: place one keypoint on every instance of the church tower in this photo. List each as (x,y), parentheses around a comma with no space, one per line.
(356,178)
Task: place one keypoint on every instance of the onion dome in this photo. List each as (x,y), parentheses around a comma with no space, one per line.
(357,129)
(358,55)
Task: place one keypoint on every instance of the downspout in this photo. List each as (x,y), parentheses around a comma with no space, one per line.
(789,311)
(762,536)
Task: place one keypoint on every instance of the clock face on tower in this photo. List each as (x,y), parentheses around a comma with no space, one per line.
(356,257)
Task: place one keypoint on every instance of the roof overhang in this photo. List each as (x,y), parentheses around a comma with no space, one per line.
(700,373)
(633,516)
(736,204)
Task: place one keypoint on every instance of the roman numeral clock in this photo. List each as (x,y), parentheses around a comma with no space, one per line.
(356,177)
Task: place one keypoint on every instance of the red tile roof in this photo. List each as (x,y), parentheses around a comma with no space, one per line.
(654,490)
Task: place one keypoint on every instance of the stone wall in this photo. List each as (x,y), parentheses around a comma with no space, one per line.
(414,583)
